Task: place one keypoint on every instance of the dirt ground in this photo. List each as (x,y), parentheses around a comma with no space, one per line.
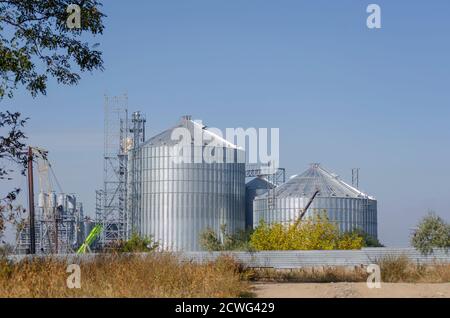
(350,290)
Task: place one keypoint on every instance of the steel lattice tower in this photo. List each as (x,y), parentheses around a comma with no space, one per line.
(111,210)
(121,135)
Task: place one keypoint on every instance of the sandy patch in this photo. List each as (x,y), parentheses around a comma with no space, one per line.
(351,290)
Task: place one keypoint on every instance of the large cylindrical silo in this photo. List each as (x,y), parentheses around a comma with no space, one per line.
(345,205)
(175,201)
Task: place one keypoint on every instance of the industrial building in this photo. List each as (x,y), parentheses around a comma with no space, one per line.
(149,191)
(56,224)
(345,205)
(155,188)
(177,184)
(175,201)
(60,225)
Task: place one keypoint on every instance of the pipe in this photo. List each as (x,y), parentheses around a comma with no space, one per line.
(302,213)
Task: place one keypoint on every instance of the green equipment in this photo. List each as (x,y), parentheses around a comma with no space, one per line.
(90,239)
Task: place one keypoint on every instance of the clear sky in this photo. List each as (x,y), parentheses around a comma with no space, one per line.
(341,94)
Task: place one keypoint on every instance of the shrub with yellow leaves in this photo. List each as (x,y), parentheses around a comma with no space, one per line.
(313,233)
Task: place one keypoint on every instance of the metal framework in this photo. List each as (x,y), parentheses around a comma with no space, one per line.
(120,136)
(138,131)
(276,176)
(57,220)
(111,200)
(50,239)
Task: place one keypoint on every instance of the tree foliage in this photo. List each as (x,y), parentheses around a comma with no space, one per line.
(314,233)
(136,244)
(239,241)
(12,153)
(368,240)
(12,144)
(432,232)
(35,43)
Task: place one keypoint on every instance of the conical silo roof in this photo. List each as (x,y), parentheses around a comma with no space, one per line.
(317,178)
(195,128)
(259,183)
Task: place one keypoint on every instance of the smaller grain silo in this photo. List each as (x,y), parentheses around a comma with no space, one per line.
(255,187)
(345,205)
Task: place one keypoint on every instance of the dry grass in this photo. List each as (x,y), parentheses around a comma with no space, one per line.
(400,269)
(154,275)
(393,270)
(164,275)
(310,275)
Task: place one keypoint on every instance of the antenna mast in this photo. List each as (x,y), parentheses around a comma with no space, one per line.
(355,178)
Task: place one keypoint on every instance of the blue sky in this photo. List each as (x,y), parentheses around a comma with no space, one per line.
(341,94)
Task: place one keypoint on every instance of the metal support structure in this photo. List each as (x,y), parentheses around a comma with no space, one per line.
(31,219)
(305,209)
(276,176)
(90,239)
(52,223)
(121,136)
(111,200)
(138,131)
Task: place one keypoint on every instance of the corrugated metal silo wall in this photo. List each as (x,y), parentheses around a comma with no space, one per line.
(250,195)
(175,202)
(348,213)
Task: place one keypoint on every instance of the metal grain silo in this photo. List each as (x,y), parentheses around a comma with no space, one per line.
(175,201)
(255,187)
(345,205)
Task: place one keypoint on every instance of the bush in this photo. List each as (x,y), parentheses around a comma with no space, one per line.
(432,232)
(368,240)
(401,269)
(209,241)
(136,244)
(314,233)
(395,269)
(238,241)
(350,241)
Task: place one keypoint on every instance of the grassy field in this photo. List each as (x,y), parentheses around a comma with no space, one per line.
(164,275)
(402,270)
(397,269)
(155,275)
